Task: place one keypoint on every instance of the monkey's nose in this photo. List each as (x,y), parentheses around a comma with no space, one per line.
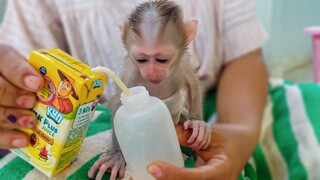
(155,79)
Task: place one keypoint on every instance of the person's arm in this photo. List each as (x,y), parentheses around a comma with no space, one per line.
(242,93)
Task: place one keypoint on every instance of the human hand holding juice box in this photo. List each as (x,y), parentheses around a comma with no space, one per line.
(64,108)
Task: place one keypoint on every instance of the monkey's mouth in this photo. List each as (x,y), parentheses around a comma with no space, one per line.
(157,81)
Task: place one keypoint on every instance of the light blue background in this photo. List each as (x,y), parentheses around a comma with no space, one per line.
(285,20)
(2,7)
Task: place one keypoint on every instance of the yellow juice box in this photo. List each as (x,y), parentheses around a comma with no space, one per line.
(64,109)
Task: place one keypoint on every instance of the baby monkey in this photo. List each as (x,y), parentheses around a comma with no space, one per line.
(156,39)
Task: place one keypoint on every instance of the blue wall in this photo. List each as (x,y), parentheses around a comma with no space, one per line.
(284,21)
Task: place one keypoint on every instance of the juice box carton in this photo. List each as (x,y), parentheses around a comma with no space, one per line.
(64,109)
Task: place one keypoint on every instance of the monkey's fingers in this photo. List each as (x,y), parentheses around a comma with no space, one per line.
(207,138)
(117,169)
(103,158)
(208,131)
(201,136)
(104,168)
(122,170)
(195,132)
(187,125)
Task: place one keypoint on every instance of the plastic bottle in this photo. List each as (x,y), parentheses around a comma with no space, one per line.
(145,132)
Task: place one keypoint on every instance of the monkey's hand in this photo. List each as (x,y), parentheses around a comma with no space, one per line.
(109,161)
(201,134)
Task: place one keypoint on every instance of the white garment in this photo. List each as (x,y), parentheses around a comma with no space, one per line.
(89,31)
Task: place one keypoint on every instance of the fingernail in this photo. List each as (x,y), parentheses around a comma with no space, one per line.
(155,170)
(32,82)
(25,101)
(19,143)
(26,122)
(12,118)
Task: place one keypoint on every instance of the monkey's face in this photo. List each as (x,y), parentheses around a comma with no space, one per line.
(155,37)
(154,62)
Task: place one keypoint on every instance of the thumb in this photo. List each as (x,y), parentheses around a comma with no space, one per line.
(162,170)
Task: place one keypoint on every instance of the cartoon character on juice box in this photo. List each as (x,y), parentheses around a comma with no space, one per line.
(65,89)
(44,153)
(34,141)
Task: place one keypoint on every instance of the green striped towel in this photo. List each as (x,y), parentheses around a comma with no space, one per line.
(289,142)
(288,147)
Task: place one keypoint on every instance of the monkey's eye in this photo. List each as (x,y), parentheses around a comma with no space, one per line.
(141,59)
(162,59)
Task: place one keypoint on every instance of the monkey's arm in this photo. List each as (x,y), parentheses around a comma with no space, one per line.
(201,132)
(194,98)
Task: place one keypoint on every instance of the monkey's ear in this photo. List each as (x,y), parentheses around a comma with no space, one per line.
(122,28)
(190,29)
